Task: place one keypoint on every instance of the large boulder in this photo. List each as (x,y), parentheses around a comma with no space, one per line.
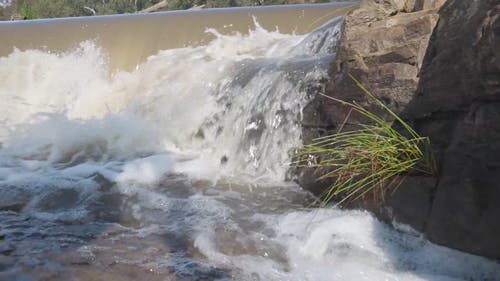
(445,80)
(457,104)
(382,45)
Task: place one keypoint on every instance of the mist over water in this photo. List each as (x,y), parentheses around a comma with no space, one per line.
(175,171)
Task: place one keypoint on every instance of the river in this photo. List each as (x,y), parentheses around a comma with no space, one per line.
(176,171)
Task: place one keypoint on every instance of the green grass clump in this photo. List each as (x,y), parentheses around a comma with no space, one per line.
(373,156)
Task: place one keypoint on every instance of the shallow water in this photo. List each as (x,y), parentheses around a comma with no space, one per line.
(175,171)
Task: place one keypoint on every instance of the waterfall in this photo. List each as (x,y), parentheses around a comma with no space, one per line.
(175,170)
(232,106)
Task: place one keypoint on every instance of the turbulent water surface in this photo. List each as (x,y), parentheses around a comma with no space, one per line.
(5,3)
(175,171)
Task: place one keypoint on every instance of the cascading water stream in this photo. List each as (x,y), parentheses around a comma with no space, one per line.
(235,103)
(175,171)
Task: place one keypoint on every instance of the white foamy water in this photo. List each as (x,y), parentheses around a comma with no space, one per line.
(175,171)
(237,99)
(5,3)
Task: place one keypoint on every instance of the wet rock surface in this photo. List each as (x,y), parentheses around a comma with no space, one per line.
(437,64)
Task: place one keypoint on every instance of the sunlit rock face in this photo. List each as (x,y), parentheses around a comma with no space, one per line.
(383,45)
(436,63)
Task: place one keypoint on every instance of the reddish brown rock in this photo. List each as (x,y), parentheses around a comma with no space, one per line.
(383,48)
(449,89)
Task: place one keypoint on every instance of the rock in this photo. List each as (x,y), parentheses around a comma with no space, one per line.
(448,88)
(410,203)
(384,50)
(384,54)
(457,105)
(461,58)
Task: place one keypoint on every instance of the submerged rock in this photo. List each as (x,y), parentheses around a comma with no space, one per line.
(437,64)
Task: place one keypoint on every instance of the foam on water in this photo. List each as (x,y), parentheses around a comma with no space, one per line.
(5,3)
(238,99)
(339,245)
(176,170)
